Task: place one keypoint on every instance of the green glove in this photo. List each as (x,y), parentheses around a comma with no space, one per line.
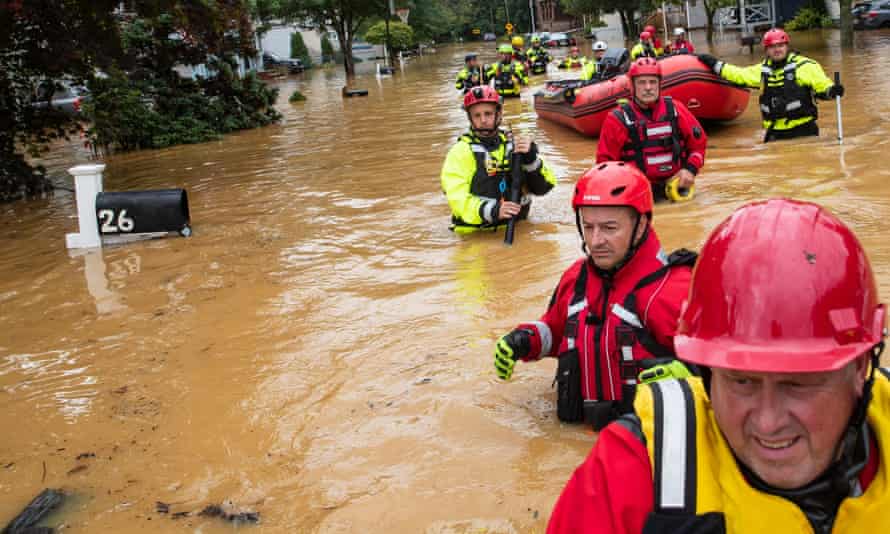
(674,369)
(511,347)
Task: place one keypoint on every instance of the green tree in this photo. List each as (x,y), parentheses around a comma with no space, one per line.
(298,49)
(401,36)
(345,16)
(42,43)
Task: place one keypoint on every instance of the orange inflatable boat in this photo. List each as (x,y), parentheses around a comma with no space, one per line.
(583,106)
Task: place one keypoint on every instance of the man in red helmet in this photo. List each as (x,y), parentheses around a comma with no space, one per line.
(787,430)
(655,133)
(656,40)
(476,176)
(644,48)
(787,81)
(615,310)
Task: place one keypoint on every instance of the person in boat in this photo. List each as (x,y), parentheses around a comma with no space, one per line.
(476,175)
(656,40)
(471,75)
(593,69)
(681,45)
(574,60)
(538,57)
(788,428)
(788,83)
(508,74)
(518,44)
(615,310)
(657,134)
(644,48)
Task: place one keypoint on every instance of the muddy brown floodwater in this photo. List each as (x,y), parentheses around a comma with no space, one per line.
(321,350)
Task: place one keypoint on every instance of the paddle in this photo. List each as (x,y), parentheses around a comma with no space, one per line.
(515,194)
(840,123)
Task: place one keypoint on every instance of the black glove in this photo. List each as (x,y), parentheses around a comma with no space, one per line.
(708,60)
(529,157)
(835,91)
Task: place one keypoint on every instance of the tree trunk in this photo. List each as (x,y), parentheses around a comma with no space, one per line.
(709,31)
(345,45)
(627,25)
(846,23)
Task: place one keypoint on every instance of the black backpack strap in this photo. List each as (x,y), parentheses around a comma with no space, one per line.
(576,306)
(674,470)
(629,119)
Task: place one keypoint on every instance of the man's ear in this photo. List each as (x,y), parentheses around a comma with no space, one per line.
(861,370)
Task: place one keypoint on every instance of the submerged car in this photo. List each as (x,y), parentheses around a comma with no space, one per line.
(61,95)
(559,39)
(292,64)
(876,15)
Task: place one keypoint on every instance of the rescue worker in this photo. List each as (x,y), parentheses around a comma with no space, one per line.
(788,82)
(469,76)
(644,48)
(538,57)
(681,45)
(476,175)
(518,44)
(656,40)
(658,135)
(574,60)
(509,76)
(593,69)
(788,430)
(615,310)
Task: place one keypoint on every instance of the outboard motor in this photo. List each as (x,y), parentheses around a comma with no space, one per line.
(615,61)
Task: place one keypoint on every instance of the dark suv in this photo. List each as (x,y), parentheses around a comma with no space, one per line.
(292,64)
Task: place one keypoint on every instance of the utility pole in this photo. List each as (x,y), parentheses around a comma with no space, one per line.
(531,11)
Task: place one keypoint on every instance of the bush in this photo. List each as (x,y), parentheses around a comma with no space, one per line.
(808,18)
(157,112)
(327,50)
(299,50)
(296,97)
(401,36)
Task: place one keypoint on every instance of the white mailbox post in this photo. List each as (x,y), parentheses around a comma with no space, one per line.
(87,184)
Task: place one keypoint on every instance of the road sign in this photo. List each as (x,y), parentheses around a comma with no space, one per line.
(476,31)
(509,27)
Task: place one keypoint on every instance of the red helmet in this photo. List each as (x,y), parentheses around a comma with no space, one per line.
(645,66)
(780,286)
(775,36)
(645,36)
(613,183)
(651,29)
(480,94)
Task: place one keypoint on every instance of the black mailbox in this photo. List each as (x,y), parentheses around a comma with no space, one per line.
(143,212)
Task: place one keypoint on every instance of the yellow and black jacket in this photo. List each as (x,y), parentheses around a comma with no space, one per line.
(787,89)
(508,78)
(698,482)
(468,78)
(476,177)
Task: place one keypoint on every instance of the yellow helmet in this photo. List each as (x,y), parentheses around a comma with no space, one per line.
(518,41)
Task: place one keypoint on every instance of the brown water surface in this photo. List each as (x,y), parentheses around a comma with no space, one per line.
(321,350)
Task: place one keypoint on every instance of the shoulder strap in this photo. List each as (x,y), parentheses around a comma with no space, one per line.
(885,371)
(576,306)
(629,119)
(674,473)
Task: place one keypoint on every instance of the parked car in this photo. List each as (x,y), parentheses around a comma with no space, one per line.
(489,37)
(876,16)
(559,39)
(292,64)
(61,95)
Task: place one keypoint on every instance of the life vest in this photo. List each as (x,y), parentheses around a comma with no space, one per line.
(643,50)
(699,485)
(654,146)
(603,380)
(537,60)
(781,96)
(469,78)
(492,178)
(573,62)
(506,80)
